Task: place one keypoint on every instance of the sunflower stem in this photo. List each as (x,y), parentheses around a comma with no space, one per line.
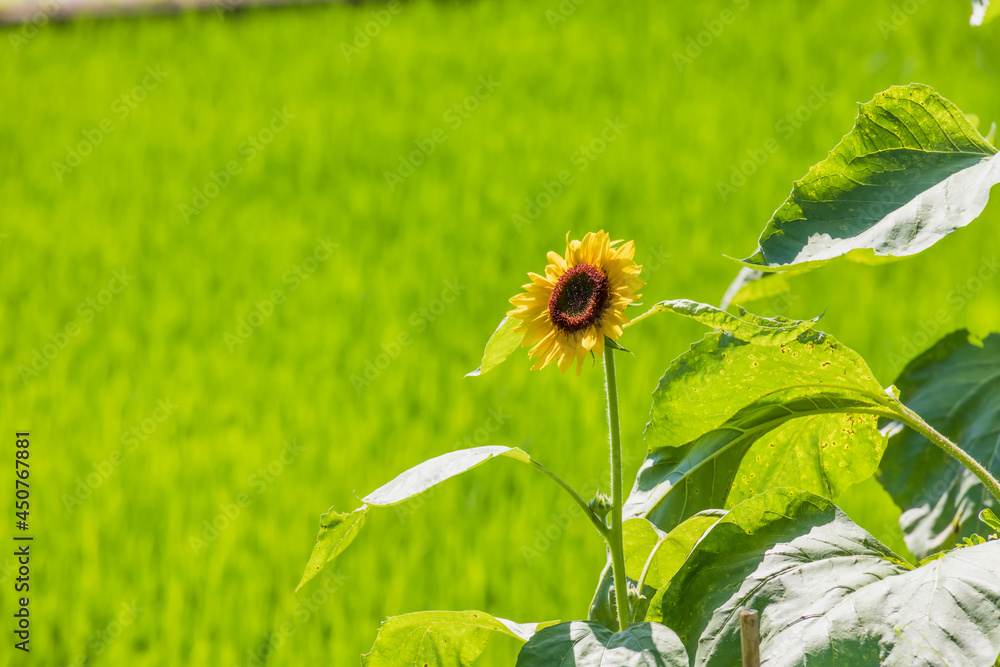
(615,541)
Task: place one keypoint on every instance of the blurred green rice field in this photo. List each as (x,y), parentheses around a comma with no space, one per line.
(221,316)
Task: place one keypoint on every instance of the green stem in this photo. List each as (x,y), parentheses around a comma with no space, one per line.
(914,421)
(615,540)
(598,523)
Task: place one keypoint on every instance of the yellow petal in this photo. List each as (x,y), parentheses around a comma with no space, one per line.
(556,263)
(565,360)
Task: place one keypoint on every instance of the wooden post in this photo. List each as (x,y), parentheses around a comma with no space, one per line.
(750,638)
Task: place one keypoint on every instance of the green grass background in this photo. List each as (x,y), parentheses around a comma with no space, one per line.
(463,546)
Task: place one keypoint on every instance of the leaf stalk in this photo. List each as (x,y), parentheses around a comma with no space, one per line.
(916,422)
(599,524)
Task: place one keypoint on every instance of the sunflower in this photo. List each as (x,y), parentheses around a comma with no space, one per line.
(581,299)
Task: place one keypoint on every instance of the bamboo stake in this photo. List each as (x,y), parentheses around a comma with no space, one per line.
(750,638)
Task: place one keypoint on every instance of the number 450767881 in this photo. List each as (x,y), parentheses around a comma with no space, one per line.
(21,486)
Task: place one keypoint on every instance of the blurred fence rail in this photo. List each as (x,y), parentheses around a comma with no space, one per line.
(55,11)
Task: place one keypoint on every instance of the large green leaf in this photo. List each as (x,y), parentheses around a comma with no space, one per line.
(440,638)
(652,556)
(849,447)
(589,644)
(722,423)
(724,395)
(500,346)
(955,387)
(722,374)
(984,11)
(651,559)
(337,531)
(639,539)
(745,326)
(754,285)
(912,170)
(828,593)
(870,506)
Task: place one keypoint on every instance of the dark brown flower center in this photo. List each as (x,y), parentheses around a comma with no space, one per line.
(579,298)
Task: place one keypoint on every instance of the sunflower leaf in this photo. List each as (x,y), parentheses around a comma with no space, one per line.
(639,538)
(955,387)
(614,345)
(337,531)
(726,410)
(436,470)
(984,11)
(744,325)
(843,441)
(500,346)
(912,170)
(652,557)
(828,592)
(753,285)
(989,518)
(589,644)
(721,375)
(657,555)
(441,638)
(731,419)
(667,555)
